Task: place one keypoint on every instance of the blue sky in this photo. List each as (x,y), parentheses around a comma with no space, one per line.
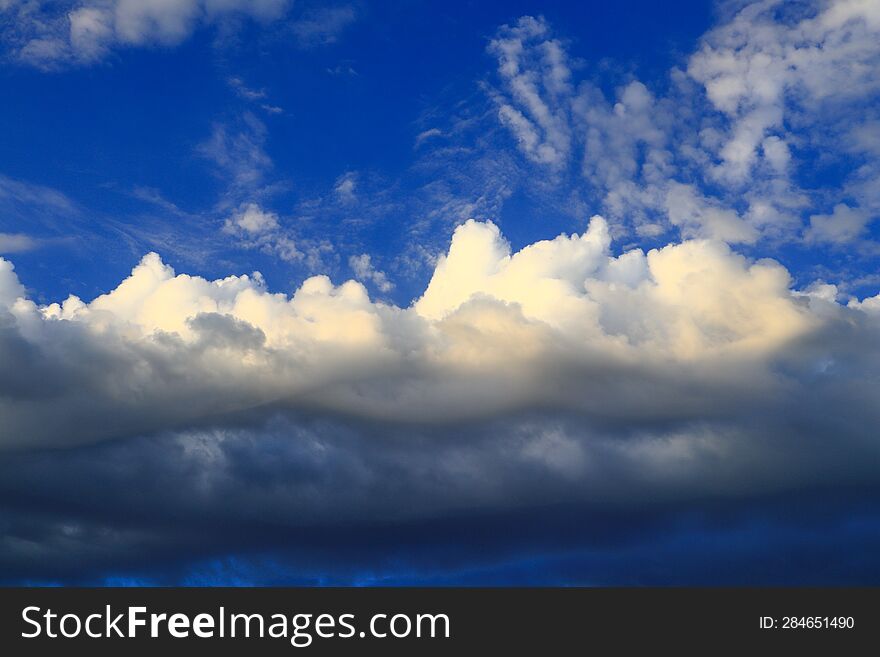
(126,145)
(309,292)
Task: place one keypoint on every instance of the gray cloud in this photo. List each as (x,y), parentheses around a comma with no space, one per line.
(559,371)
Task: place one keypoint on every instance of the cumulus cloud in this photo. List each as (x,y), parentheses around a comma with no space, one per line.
(11,288)
(556,374)
(190,350)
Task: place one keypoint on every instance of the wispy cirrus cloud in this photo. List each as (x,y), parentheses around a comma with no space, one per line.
(260,97)
(17,242)
(322,25)
(238,151)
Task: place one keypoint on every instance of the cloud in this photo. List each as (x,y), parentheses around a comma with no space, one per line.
(362,266)
(766,65)
(686,315)
(617,133)
(697,216)
(238,150)
(765,92)
(531,64)
(323,25)
(15,193)
(621,147)
(258,96)
(10,287)
(251,220)
(244,91)
(16,243)
(559,374)
(33,215)
(345,188)
(344,68)
(50,34)
(425,135)
(844,224)
(256,228)
(91,32)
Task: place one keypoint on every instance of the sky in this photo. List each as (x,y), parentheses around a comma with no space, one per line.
(422,293)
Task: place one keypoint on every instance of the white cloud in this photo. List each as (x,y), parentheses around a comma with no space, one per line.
(533,66)
(614,134)
(719,152)
(251,220)
(44,199)
(764,67)
(556,374)
(698,216)
(91,32)
(777,153)
(345,188)
(257,96)
(342,69)
(10,287)
(188,348)
(50,216)
(844,224)
(362,266)
(244,91)
(322,26)
(425,135)
(166,22)
(256,228)
(16,242)
(239,151)
(47,34)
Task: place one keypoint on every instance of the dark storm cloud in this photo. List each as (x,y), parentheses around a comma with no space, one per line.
(319,504)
